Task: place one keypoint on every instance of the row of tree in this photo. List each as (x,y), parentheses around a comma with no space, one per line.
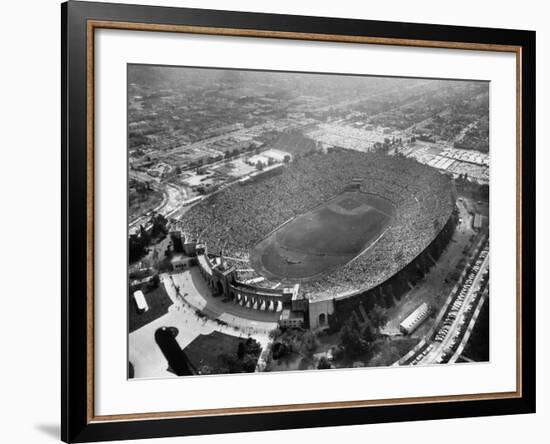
(138,244)
(243,361)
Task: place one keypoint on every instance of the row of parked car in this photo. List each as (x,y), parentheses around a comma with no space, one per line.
(457,313)
(422,354)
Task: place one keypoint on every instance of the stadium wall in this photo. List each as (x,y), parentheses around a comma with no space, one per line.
(335,312)
(222,280)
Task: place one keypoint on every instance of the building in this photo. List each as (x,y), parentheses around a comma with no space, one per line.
(258,159)
(415,319)
(141,303)
(190,247)
(477,222)
(178,239)
(181,262)
(222,279)
(291,318)
(319,310)
(298,302)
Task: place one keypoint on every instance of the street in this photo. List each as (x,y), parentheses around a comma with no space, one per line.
(448,332)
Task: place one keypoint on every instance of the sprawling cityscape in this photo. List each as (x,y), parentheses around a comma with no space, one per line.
(283,221)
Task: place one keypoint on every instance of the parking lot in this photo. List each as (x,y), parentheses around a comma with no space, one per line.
(453,324)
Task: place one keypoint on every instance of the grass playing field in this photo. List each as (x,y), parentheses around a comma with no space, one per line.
(323,238)
(206,350)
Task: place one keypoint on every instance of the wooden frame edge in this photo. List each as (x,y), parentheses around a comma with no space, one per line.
(236,32)
(287,408)
(91,25)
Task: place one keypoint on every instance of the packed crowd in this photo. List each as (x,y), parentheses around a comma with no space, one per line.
(239,217)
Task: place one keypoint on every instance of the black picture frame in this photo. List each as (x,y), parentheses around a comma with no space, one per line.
(77,425)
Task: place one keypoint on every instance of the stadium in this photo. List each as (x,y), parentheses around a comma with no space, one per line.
(323,232)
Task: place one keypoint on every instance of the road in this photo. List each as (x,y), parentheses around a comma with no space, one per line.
(173,198)
(450,333)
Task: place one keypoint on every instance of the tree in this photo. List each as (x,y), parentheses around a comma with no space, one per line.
(377,316)
(241,350)
(144,236)
(353,339)
(259,165)
(136,248)
(252,347)
(154,282)
(324,363)
(249,364)
(206,370)
(228,364)
(278,350)
(388,299)
(309,343)
(484,191)
(368,334)
(286,159)
(155,257)
(159,223)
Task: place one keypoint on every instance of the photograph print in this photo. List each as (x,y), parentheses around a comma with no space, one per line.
(287,221)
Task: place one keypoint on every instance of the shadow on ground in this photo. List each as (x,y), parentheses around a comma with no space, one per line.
(51,430)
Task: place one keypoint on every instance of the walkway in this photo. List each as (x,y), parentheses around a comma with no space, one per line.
(145,355)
